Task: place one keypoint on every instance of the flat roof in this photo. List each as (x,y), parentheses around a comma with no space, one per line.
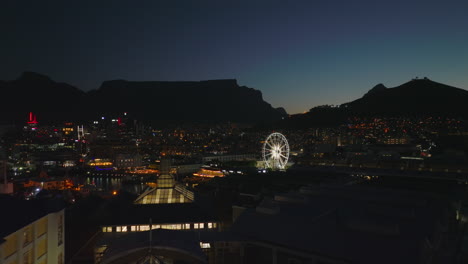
(356,224)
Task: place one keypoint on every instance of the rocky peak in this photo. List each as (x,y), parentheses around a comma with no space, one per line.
(376,89)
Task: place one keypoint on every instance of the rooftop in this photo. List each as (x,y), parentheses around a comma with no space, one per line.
(17,213)
(357,224)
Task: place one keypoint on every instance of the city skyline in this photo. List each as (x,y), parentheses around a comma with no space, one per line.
(265,131)
(299,55)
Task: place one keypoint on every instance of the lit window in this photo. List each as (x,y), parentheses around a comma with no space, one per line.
(28,257)
(202,225)
(42,226)
(27,236)
(134,228)
(41,247)
(10,246)
(196,226)
(210,225)
(187,226)
(121,229)
(144,228)
(205,245)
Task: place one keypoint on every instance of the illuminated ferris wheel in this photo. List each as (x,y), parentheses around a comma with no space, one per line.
(275,151)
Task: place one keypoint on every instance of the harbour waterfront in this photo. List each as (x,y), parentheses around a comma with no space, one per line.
(135,186)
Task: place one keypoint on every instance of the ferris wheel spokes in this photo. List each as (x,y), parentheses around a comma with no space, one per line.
(275,151)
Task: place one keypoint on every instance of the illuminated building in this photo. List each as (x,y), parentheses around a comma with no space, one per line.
(49,184)
(35,233)
(127,161)
(106,163)
(80,132)
(31,124)
(58,158)
(222,158)
(395,141)
(169,211)
(124,236)
(68,129)
(136,222)
(209,173)
(167,191)
(32,121)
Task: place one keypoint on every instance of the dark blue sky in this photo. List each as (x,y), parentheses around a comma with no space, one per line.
(298,53)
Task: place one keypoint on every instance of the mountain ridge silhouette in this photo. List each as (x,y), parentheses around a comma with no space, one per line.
(210,100)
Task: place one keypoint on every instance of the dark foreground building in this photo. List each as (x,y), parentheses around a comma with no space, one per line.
(32,231)
(316,224)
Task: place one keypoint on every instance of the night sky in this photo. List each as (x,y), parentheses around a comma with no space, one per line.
(298,53)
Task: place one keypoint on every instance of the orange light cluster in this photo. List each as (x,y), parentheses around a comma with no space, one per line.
(107,163)
(145,171)
(209,173)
